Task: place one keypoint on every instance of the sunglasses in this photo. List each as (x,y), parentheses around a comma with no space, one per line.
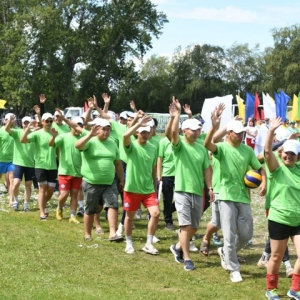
(49,121)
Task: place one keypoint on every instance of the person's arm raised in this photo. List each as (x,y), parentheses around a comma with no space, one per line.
(177,110)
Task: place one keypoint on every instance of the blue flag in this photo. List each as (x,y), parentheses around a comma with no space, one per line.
(250,103)
(281,101)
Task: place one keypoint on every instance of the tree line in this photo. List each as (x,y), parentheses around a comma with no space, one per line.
(72,49)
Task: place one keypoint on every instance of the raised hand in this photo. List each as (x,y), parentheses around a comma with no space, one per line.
(90,102)
(54,132)
(219,109)
(176,104)
(187,109)
(37,109)
(105,98)
(275,123)
(94,130)
(132,106)
(42,98)
(95,102)
(140,114)
(59,114)
(172,110)
(144,120)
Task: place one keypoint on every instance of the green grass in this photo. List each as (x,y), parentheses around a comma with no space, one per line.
(50,260)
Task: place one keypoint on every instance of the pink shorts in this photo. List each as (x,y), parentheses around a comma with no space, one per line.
(132,201)
(67,182)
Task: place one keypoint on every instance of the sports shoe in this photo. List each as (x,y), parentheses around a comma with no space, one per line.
(87,238)
(262,262)
(216,240)
(59,214)
(250,243)
(73,220)
(293,294)
(138,214)
(116,238)
(155,240)
(129,250)
(120,229)
(222,257)
(235,276)
(26,209)
(170,226)
(193,248)
(272,294)
(15,205)
(80,212)
(178,254)
(188,265)
(149,248)
(289,272)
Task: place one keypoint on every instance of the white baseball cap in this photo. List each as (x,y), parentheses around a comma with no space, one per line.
(26,119)
(99,122)
(144,128)
(131,114)
(57,113)
(78,120)
(192,124)
(236,126)
(123,115)
(9,115)
(47,116)
(291,146)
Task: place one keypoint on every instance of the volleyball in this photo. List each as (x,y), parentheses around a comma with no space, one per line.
(252,179)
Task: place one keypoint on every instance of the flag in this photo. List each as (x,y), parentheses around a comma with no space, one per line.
(241,107)
(86,107)
(249,106)
(256,104)
(281,101)
(2,103)
(262,114)
(269,106)
(295,108)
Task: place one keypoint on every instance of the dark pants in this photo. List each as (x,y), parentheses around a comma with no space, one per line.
(286,255)
(168,191)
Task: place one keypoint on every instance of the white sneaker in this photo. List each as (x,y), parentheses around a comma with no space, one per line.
(149,248)
(155,240)
(222,257)
(120,229)
(289,272)
(235,276)
(193,248)
(129,250)
(138,214)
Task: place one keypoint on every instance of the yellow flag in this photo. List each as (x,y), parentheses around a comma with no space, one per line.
(295,108)
(2,103)
(241,107)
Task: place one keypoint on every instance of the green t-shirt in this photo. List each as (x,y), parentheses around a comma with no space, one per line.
(6,146)
(45,156)
(140,162)
(216,179)
(234,163)
(285,203)
(69,155)
(190,163)
(167,155)
(23,153)
(98,158)
(60,128)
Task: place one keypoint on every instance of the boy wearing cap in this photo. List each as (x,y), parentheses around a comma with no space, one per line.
(6,154)
(192,169)
(234,201)
(45,161)
(58,124)
(140,186)
(100,160)
(23,161)
(69,175)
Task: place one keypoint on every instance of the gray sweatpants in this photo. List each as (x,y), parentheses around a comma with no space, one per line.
(237,227)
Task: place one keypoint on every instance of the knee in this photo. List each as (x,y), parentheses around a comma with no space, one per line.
(155,214)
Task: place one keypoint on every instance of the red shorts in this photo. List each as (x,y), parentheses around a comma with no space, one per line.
(67,182)
(132,201)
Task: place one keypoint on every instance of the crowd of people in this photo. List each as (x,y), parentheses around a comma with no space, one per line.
(95,158)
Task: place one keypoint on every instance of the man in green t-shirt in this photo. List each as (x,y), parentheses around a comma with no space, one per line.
(69,174)
(140,186)
(234,201)
(100,161)
(45,161)
(23,163)
(58,124)
(192,169)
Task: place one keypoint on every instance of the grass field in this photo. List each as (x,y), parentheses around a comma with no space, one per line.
(50,260)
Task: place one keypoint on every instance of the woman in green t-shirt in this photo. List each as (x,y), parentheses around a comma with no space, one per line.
(284,215)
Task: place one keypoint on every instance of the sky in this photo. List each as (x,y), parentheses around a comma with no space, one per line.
(222,23)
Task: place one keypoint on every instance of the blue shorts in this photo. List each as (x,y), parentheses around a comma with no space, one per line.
(21,171)
(6,167)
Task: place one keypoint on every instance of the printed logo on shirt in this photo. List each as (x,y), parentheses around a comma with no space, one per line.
(63,186)
(126,204)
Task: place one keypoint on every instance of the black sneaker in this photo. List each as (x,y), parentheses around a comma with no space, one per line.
(170,226)
(178,254)
(80,212)
(188,265)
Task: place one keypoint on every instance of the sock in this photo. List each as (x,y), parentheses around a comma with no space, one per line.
(73,213)
(80,203)
(272,281)
(149,239)
(177,246)
(25,205)
(295,283)
(16,199)
(129,241)
(287,264)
